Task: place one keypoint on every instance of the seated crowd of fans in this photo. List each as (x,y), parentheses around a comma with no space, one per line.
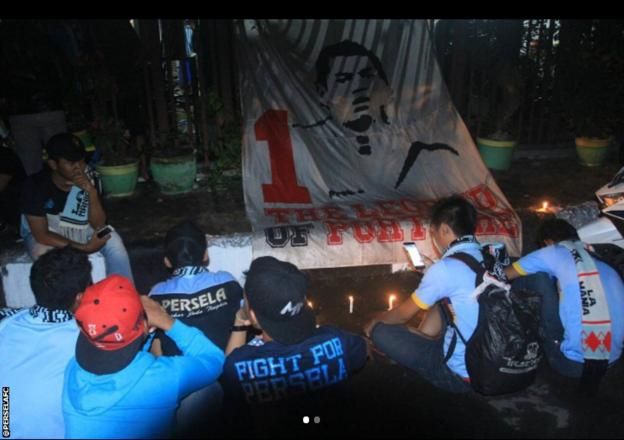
(201,354)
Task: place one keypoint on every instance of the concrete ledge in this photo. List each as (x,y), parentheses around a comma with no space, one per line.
(231,253)
(15,267)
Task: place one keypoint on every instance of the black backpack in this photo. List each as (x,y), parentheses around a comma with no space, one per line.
(503,353)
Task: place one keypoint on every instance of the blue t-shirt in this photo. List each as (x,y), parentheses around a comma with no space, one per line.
(35,349)
(452,279)
(557,261)
(202,299)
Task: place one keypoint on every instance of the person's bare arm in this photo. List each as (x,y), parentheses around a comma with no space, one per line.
(157,316)
(39,228)
(399,315)
(201,362)
(97,215)
(156,348)
(238,338)
(512,273)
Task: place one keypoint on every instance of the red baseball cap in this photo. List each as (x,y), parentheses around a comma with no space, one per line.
(111,320)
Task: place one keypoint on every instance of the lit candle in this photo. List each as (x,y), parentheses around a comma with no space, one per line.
(350,304)
(310,304)
(391,301)
(544,207)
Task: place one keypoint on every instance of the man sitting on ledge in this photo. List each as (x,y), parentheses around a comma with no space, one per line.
(61,207)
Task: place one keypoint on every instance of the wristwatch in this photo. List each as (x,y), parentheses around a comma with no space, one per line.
(240,328)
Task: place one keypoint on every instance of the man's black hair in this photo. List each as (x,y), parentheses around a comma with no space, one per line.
(343,49)
(65,146)
(555,229)
(457,212)
(58,276)
(185,245)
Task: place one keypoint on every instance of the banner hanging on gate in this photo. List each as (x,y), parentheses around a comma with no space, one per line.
(349,137)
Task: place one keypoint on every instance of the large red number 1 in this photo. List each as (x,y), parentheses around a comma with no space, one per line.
(272,127)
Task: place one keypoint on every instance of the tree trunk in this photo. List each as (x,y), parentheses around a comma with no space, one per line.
(223,63)
(151,40)
(203,86)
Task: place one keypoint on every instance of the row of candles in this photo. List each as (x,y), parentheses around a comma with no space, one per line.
(391,300)
(545,208)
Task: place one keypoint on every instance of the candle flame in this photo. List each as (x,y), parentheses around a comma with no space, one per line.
(350,298)
(310,304)
(544,208)
(391,301)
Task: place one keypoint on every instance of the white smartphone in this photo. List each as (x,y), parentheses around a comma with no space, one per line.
(414,254)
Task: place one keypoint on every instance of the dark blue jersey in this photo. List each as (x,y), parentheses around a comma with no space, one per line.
(199,298)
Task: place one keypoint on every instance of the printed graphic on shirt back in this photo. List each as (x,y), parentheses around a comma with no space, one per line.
(273,378)
(185,305)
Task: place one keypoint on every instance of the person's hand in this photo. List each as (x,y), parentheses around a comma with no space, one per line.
(420,269)
(428,263)
(241,317)
(95,243)
(370,351)
(157,316)
(82,181)
(368,328)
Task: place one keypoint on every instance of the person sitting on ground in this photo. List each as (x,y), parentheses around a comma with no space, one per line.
(582,315)
(445,293)
(114,387)
(61,207)
(294,368)
(199,298)
(37,343)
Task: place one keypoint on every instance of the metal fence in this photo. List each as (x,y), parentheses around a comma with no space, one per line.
(517,68)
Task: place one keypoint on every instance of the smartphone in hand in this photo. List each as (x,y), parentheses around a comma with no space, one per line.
(242,313)
(104,231)
(414,254)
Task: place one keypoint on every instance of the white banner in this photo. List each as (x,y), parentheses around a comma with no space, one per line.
(349,137)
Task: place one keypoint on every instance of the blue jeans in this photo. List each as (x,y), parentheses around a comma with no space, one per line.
(420,354)
(198,413)
(114,252)
(551,328)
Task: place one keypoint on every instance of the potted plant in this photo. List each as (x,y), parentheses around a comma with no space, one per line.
(498,118)
(592,140)
(118,168)
(174,166)
(593,103)
(590,111)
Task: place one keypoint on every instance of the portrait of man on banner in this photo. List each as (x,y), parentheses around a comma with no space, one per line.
(356,93)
